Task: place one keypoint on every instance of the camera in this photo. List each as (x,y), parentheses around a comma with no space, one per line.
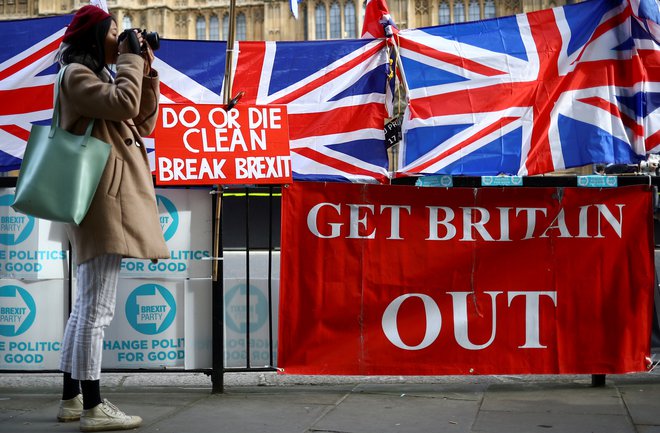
(151,38)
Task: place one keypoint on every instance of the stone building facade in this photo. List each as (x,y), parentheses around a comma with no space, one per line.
(271,19)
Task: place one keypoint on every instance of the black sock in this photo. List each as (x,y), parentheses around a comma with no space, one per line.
(70,387)
(91,390)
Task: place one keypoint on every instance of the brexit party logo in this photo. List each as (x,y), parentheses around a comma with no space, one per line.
(14,227)
(237,315)
(150,309)
(17,311)
(169,217)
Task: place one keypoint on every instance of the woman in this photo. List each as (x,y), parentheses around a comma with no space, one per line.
(123,218)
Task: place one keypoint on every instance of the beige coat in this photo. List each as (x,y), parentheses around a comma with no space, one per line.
(123,218)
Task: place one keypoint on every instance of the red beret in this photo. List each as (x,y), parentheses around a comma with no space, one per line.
(86,18)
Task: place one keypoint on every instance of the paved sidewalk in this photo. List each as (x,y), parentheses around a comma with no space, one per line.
(269,403)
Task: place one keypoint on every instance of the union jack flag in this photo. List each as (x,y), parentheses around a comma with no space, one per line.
(335,97)
(533,93)
(378,22)
(334,92)
(27,74)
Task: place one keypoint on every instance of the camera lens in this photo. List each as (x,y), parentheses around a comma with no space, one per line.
(152,39)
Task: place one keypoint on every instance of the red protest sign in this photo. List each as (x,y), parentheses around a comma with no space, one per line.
(404,280)
(203,144)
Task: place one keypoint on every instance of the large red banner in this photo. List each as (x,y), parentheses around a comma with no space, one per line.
(411,281)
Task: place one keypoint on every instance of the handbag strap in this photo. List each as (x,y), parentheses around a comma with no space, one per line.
(55,123)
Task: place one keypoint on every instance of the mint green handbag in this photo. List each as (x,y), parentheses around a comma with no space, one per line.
(60,171)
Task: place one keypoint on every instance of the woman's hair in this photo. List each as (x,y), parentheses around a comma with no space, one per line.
(89,50)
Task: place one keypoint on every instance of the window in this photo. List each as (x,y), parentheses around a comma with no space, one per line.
(126,22)
(200,28)
(241,27)
(459,12)
(225,27)
(443,13)
(320,21)
(473,11)
(349,20)
(489,9)
(214,28)
(335,21)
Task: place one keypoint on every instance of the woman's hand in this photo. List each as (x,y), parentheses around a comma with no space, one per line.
(144,50)
(148,55)
(128,47)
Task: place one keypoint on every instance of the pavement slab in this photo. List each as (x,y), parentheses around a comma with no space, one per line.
(642,401)
(242,412)
(271,403)
(377,412)
(560,398)
(549,422)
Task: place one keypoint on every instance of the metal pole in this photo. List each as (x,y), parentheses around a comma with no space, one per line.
(270,275)
(226,98)
(217,300)
(598,380)
(217,375)
(247,277)
(229,58)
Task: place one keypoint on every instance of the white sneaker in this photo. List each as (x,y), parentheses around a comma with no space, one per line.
(106,416)
(70,409)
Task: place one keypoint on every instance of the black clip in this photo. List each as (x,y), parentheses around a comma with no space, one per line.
(235,100)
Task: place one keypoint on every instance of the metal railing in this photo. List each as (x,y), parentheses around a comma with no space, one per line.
(246,228)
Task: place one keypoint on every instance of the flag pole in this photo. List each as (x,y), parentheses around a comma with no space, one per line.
(226,91)
(404,83)
(229,58)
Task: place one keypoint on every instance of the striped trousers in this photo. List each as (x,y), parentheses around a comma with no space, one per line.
(82,346)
